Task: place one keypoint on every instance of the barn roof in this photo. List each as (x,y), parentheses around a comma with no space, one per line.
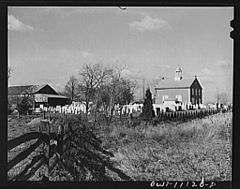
(172,84)
(17,90)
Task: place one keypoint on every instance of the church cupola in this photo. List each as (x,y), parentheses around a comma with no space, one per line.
(178,74)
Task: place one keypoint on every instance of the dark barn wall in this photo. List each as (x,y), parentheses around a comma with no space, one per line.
(196,93)
(53,102)
(58,101)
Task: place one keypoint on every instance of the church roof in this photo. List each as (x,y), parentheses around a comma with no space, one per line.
(172,84)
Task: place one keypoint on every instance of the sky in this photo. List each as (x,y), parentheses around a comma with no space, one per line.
(46,45)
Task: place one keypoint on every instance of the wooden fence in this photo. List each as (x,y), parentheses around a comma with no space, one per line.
(187,114)
(181,116)
(39,159)
(72,150)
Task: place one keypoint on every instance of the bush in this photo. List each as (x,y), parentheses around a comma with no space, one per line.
(24,105)
(148,112)
(10,110)
(155,121)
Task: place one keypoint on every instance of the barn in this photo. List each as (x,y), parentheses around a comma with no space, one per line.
(179,90)
(42,94)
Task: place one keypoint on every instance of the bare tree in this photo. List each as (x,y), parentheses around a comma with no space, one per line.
(118,91)
(25,101)
(71,88)
(124,88)
(92,78)
(223,98)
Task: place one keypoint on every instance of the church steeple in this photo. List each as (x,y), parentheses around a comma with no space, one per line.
(178,74)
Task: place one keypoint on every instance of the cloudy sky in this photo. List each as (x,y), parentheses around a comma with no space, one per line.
(48,45)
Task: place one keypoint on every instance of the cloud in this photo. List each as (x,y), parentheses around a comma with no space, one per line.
(207,72)
(162,66)
(126,72)
(224,64)
(16,25)
(86,54)
(149,24)
(73,11)
(129,74)
(207,75)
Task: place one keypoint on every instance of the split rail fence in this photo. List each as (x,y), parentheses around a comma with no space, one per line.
(190,114)
(40,152)
(69,150)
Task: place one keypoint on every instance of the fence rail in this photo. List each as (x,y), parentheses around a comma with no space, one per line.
(43,138)
(78,146)
(188,114)
(22,139)
(34,165)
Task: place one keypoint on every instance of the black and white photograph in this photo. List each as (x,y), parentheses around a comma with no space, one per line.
(119,93)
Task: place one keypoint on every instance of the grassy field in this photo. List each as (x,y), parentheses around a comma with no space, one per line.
(197,149)
(201,148)
(17,127)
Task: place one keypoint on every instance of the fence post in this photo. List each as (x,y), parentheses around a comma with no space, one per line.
(60,139)
(45,129)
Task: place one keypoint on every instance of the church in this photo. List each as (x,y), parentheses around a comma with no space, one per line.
(186,91)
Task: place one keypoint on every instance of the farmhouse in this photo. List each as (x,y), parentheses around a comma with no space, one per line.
(41,94)
(179,90)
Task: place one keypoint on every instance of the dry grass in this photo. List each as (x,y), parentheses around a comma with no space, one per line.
(174,151)
(167,151)
(16,128)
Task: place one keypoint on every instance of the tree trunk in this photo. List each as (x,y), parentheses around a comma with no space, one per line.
(95,116)
(72,93)
(86,116)
(120,113)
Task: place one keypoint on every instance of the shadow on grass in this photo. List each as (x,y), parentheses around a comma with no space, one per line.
(84,157)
